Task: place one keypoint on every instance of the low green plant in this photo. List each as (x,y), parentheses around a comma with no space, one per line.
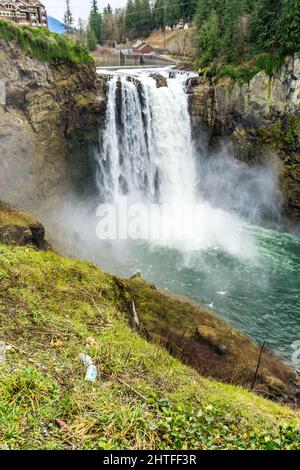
(239,73)
(269,63)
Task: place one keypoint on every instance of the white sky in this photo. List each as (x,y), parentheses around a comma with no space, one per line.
(56,8)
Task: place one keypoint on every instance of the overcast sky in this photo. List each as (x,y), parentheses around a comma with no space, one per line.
(81,8)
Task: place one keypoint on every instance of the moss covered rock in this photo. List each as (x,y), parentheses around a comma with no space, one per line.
(17,228)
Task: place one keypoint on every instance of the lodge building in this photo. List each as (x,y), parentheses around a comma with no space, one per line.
(27,12)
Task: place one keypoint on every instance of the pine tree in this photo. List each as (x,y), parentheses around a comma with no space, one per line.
(120,25)
(188,9)
(264,24)
(129,19)
(68,17)
(146,22)
(91,39)
(158,14)
(137,8)
(108,24)
(95,21)
(231,37)
(209,39)
(288,27)
(173,12)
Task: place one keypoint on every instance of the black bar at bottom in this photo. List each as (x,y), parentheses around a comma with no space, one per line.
(136,459)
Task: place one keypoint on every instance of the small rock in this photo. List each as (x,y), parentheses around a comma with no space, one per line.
(222,349)
(161,81)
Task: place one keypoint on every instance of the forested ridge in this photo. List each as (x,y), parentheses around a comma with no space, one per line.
(232,30)
(225,32)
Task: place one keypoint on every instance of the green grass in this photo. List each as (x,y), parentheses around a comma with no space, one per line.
(44,45)
(270,63)
(52,309)
(238,73)
(282,135)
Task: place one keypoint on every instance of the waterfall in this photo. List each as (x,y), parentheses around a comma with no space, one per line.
(147,155)
(147,146)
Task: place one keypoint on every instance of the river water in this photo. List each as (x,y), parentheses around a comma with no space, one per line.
(248,275)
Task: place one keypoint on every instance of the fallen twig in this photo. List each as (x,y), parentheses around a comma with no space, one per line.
(132,389)
(258,364)
(98,309)
(29,359)
(135,315)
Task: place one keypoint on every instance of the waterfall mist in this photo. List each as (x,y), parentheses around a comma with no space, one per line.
(251,192)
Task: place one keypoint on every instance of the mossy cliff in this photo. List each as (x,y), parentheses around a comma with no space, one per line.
(261,119)
(49,124)
(52,309)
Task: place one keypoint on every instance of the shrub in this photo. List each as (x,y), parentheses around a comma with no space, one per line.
(269,63)
(237,73)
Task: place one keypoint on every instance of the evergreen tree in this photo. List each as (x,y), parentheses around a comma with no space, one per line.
(264,24)
(209,39)
(205,8)
(288,27)
(137,18)
(108,24)
(271,27)
(146,22)
(68,17)
(173,12)
(95,21)
(120,25)
(159,14)
(188,9)
(91,39)
(231,37)
(130,19)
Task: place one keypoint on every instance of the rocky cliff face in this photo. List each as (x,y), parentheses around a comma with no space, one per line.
(48,127)
(261,118)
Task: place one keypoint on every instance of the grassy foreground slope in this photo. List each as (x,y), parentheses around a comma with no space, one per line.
(52,309)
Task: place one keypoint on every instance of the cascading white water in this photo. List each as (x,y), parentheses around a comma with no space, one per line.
(147,154)
(147,137)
